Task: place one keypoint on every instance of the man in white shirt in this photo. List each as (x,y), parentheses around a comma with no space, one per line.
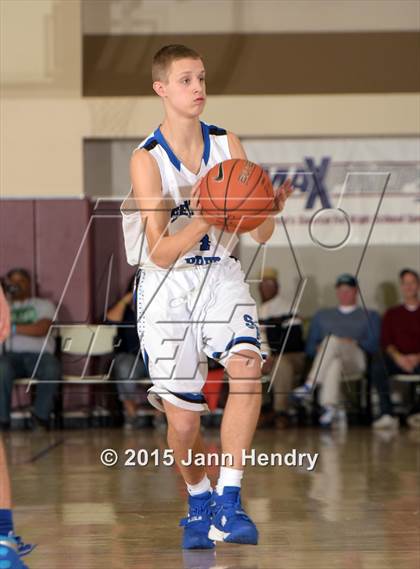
(31,319)
(275,315)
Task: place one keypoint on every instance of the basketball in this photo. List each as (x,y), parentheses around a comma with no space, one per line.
(236,195)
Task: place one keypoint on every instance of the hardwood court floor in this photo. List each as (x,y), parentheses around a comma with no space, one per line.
(358,509)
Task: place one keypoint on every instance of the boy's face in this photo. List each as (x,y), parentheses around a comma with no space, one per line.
(184,89)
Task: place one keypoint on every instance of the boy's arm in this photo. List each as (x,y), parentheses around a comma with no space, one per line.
(263,232)
(4,317)
(164,249)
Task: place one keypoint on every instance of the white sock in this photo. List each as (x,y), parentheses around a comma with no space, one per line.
(228,477)
(203,486)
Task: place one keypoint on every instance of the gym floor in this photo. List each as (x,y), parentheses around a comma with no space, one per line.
(358,508)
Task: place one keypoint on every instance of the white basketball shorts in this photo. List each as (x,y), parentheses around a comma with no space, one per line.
(185,315)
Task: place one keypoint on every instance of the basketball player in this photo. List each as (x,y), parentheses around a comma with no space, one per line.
(11,546)
(192,299)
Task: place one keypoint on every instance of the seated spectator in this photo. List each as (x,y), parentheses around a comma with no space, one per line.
(400,342)
(128,363)
(338,340)
(31,319)
(277,324)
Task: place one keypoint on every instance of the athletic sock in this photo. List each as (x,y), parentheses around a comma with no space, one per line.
(228,477)
(203,486)
(6,522)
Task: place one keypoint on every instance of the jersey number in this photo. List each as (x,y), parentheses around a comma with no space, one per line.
(205,243)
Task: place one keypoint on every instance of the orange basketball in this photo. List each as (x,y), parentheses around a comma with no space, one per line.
(236,195)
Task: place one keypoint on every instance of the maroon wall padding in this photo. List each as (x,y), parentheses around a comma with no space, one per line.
(67,245)
(63,256)
(17,235)
(110,267)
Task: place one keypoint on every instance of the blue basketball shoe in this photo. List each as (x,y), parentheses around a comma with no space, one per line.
(197,524)
(22,548)
(11,549)
(229,521)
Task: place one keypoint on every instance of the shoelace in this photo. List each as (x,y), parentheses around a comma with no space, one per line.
(197,512)
(22,548)
(235,507)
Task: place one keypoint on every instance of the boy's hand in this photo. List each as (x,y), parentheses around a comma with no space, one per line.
(280,196)
(195,206)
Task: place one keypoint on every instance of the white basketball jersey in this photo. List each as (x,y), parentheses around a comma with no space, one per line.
(177,182)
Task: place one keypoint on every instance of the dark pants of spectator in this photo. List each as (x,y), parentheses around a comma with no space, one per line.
(381,380)
(18,365)
(126,368)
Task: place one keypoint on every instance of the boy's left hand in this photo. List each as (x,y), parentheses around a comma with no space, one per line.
(281,195)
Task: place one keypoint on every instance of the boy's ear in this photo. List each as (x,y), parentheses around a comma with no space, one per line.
(159,88)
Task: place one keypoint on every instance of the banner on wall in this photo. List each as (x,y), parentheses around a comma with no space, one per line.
(346,190)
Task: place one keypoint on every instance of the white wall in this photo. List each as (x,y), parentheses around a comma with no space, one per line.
(210,16)
(378,276)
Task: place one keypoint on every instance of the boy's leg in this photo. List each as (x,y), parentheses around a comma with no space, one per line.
(5,493)
(11,547)
(11,367)
(230,523)
(185,439)
(243,406)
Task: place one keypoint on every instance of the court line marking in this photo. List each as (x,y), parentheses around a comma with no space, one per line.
(44,451)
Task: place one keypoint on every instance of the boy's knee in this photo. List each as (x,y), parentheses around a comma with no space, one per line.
(185,425)
(245,365)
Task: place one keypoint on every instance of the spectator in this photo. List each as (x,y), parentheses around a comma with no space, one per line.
(31,319)
(400,342)
(278,324)
(128,364)
(339,339)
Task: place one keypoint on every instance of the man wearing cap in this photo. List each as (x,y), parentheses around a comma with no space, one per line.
(280,326)
(338,340)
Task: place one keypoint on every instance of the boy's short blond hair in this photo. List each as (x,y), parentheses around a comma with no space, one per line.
(166,55)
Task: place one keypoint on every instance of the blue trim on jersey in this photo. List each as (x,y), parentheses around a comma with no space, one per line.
(217,131)
(161,140)
(238,340)
(157,135)
(148,141)
(206,137)
(146,361)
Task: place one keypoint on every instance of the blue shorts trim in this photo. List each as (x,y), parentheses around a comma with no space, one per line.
(190,397)
(238,340)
